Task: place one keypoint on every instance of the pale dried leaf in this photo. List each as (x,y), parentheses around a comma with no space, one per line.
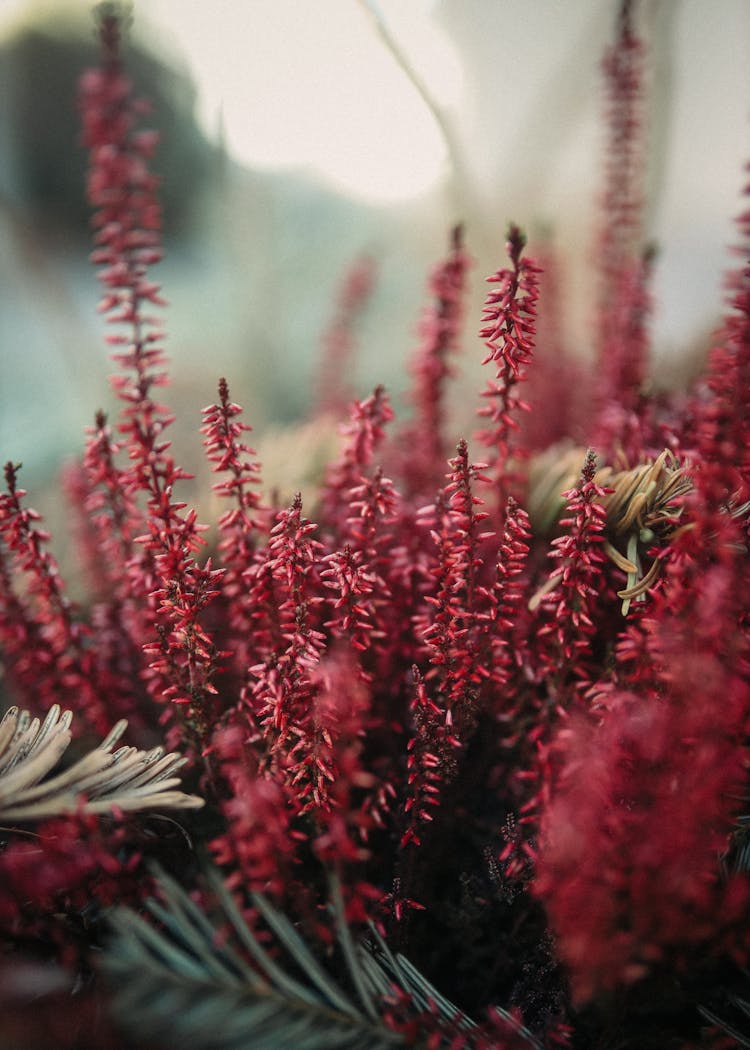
(102,781)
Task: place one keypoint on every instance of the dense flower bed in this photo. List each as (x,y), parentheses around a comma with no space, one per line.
(491,713)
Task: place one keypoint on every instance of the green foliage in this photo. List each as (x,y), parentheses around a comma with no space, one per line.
(188,983)
(210,984)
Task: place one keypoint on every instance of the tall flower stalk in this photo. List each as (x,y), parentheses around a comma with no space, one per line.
(127,224)
(508,332)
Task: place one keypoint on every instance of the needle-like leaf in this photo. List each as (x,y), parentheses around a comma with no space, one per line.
(101,781)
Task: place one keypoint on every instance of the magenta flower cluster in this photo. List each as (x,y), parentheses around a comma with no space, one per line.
(504,704)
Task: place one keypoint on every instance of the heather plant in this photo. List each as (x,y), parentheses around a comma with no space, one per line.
(464,739)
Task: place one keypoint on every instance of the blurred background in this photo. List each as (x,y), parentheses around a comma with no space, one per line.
(298,137)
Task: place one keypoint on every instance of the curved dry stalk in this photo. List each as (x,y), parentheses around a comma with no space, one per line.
(643,505)
(643,509)
(102,781)
(462,190)
(646,498)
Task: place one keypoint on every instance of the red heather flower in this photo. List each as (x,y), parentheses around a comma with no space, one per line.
(333,391)
(504,619)
(111,509)
(363,434)
(258,847)
(559,382)
(628,864)
(281,691)
(430,759)
(451,628)
(128,238)
(361,508)
(378,524)
(185,656)
(440,330)
(647,795)
(26,653)
(624,266)
(104,518)
(372,508)
(355,801)
(242,524)
(620,432)
(85,529)
(46,646)
(623,68)
(566,611)
(508,331)
(354,587)
(567,602)
(68,865)
(723,417)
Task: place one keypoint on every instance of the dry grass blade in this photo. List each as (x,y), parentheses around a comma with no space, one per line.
(100,782)
(644,506)
(646,498)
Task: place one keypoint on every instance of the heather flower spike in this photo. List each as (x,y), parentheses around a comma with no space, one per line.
(127,220)
(508,332)
(570,586)
(432,367)
(625,263)
(230,456)
(362,435)
(333,393)
(47,646)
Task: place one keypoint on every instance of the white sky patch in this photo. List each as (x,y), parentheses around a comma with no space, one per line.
(313,85)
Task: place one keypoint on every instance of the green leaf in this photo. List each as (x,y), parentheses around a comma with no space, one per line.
(207,983)
(186,983)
